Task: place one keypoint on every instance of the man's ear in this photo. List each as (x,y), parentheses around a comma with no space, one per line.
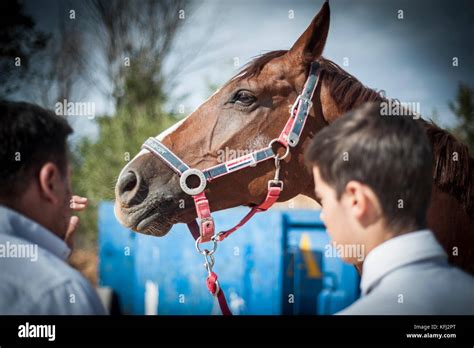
(310,44)
(50,182)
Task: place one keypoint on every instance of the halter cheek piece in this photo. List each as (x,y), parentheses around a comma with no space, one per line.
(204,231)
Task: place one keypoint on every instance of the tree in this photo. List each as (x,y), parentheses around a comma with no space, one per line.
(134,39)
(463,109)
(62,65)
(19,41)
(120,48)
(51,64)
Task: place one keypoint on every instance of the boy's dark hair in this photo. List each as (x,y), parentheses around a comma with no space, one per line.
(390,154)
(30,137)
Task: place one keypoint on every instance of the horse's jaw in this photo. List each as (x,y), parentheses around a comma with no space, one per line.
(153,226)
(145,221)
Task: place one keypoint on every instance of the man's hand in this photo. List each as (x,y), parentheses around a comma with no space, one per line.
(77,204)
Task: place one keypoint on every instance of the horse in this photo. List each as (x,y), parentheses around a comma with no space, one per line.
(250,110)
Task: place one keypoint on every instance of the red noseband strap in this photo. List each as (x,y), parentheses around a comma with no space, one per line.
(207,223)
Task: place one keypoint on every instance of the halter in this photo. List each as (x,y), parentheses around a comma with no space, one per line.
(204,231)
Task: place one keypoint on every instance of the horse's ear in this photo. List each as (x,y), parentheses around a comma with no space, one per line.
(310,44)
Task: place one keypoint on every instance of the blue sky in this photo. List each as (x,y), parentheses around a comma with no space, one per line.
(409,58)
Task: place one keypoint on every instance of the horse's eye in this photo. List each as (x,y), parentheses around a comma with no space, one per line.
(243,97)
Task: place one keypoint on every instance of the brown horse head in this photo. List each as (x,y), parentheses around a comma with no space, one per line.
(243,116)
(247,113)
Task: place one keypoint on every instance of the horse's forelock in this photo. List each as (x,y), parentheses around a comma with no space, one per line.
(256,65)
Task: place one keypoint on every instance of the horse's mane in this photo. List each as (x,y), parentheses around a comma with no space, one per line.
(451,176)
(347,91)
(453,166)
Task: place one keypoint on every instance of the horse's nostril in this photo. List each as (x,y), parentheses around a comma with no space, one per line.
(131,189)
(128,182)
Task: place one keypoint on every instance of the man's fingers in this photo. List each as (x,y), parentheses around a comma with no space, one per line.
(79,199)
(77,206)
(73,225)
(78,203)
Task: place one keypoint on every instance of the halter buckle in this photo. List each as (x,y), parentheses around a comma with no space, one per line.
(275,183)
(295,106)
(307,101)
(293,139)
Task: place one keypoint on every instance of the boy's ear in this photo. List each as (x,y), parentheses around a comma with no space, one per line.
(362,202)
(356,198)
(310,44)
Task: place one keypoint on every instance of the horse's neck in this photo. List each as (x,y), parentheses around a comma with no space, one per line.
(332,105)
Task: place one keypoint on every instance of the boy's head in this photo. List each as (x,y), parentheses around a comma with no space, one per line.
(373,176)
(34,171)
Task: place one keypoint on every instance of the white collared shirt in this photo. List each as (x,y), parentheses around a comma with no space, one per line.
(34,277)
(410,274)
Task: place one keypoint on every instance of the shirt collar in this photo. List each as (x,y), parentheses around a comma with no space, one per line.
(18,225)
(397,252)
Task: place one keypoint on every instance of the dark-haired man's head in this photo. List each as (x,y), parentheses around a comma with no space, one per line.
(373,176)
(35,173)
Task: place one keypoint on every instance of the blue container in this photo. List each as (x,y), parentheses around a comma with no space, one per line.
(165,275)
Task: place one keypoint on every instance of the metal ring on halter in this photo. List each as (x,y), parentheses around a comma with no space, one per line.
(189,190)
(206,251)
(287,150)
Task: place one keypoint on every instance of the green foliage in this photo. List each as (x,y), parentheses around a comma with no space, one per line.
(463,108)
(138,92)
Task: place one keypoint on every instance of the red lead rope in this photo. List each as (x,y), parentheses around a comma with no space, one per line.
(207,224)
(272,196)
(215,290)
